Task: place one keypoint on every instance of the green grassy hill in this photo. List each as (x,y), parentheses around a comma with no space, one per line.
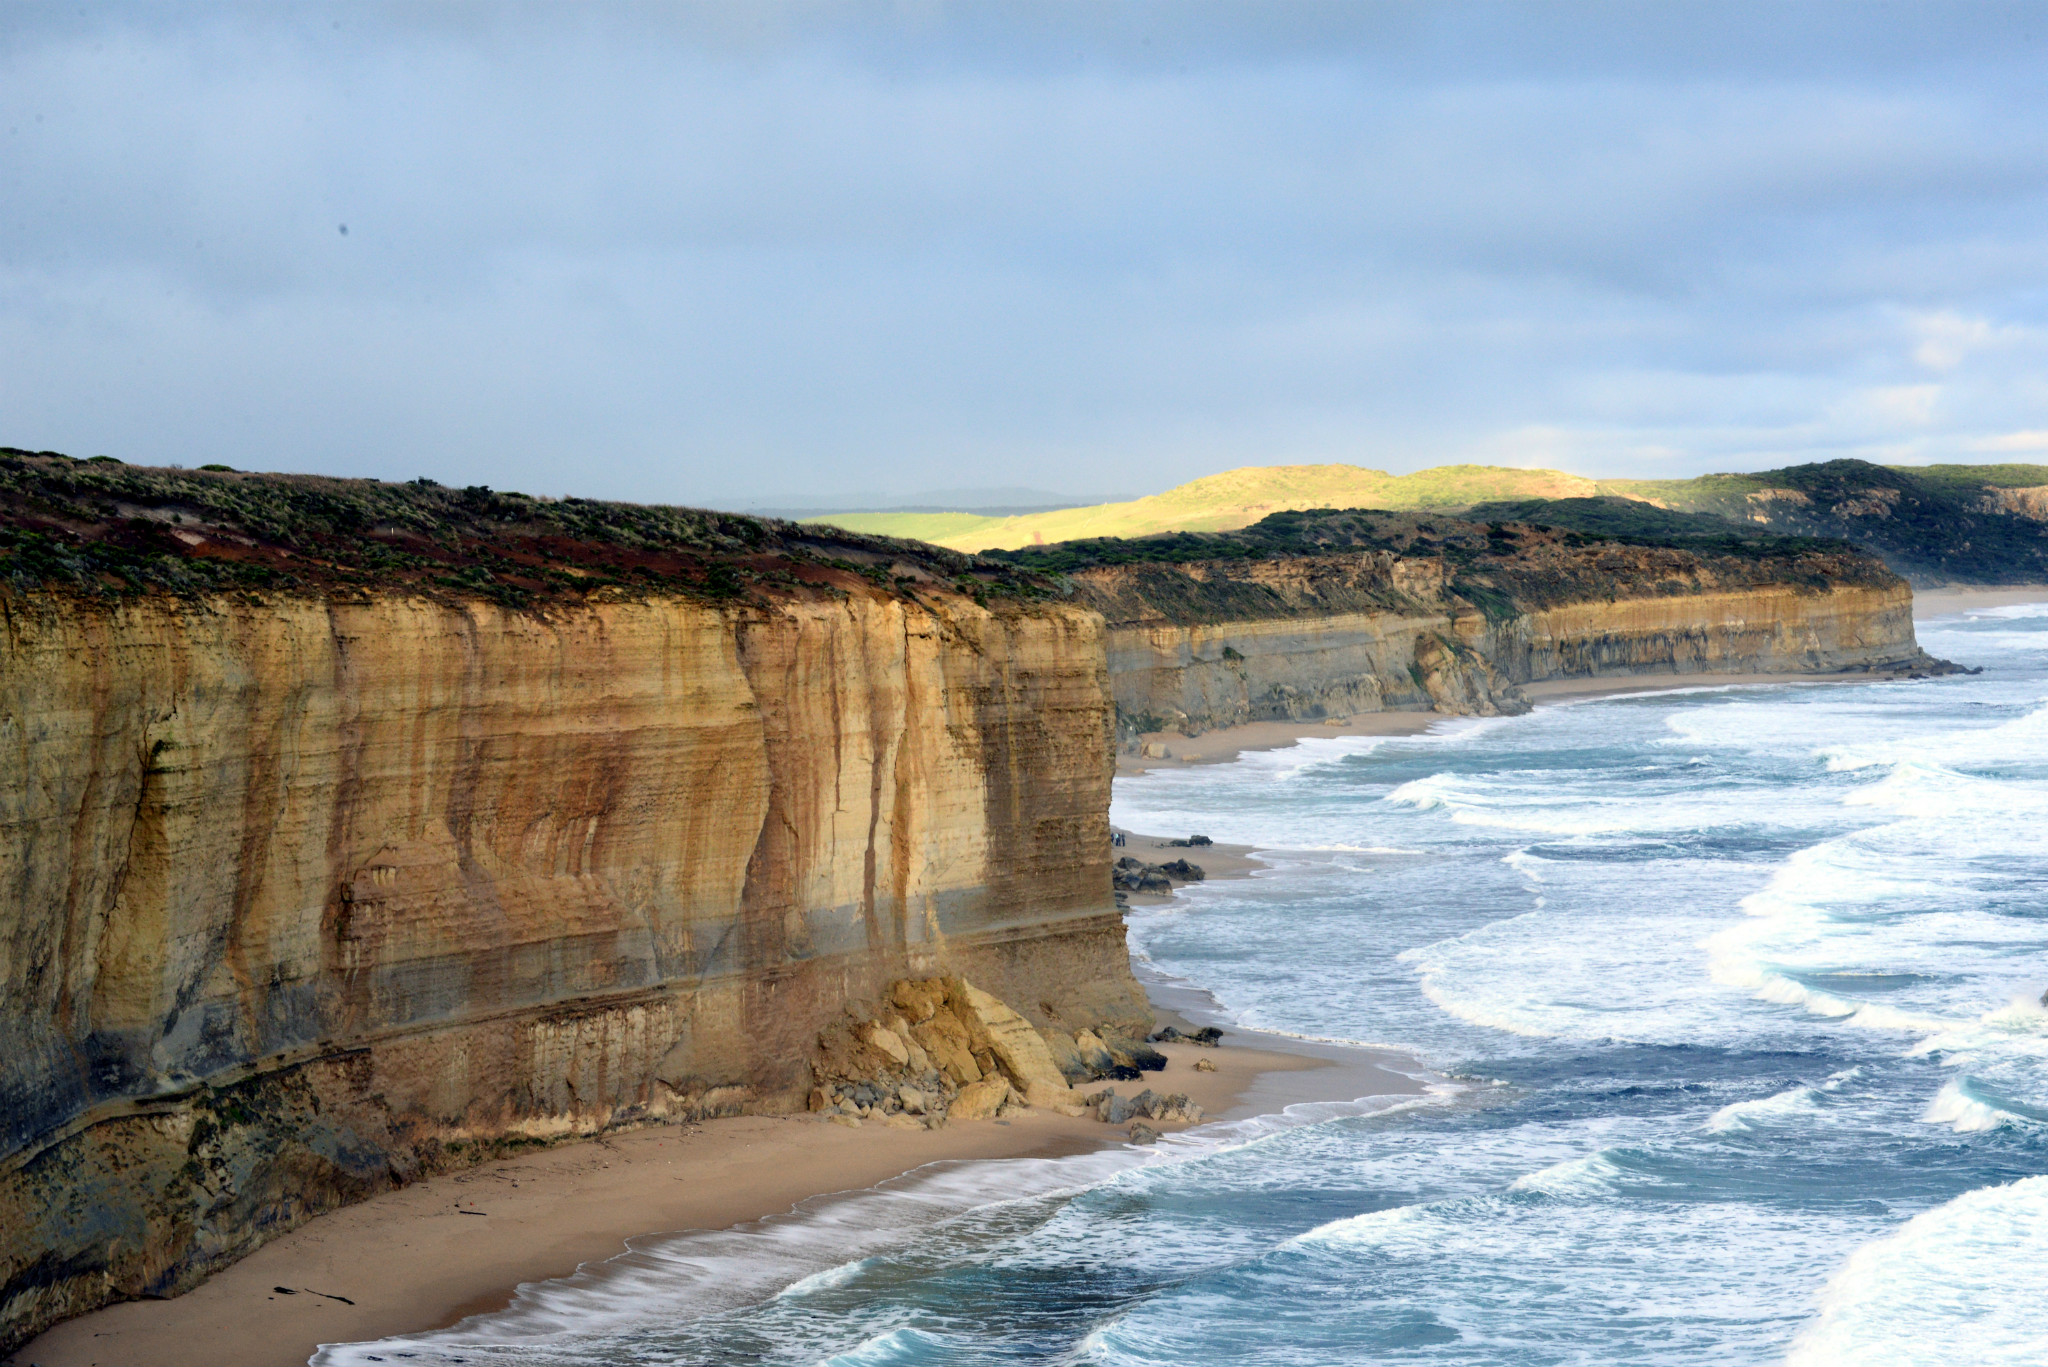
(1238,498)
(1936,524)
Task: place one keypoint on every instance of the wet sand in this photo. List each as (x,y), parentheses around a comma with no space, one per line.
(430,1254)
(1947,602)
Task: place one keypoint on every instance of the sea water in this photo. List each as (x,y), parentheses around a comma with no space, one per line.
(1733,1001)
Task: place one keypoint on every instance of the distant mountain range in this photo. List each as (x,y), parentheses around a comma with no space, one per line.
(1937,524)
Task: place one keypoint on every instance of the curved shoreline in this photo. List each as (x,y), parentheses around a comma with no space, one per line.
(427,1256)
(433,1253)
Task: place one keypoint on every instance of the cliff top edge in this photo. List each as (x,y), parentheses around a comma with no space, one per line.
(104,529)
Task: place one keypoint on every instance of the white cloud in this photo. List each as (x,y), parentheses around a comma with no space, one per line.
(2011,442)
(1947,339)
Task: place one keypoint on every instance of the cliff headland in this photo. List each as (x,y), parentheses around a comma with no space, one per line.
(360,831)
(1329,614)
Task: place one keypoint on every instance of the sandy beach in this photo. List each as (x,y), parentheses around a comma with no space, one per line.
(1227,743)
(1170,749)
(428,1255)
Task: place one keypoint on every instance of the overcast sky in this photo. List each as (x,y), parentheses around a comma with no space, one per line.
(758,253)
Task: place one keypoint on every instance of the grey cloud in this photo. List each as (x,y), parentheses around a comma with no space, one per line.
(730,251)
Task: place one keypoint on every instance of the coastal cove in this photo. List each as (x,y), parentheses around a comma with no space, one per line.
(413,1261)
(428,1256)
(1555,1138)
(428,1265)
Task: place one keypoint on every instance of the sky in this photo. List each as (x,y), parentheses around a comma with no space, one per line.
(755,253)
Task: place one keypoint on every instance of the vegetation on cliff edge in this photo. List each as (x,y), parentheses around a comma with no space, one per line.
(1936,524)
(1932,523)
(1498,567)
(106,529)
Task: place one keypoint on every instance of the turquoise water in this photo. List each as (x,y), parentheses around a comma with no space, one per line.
(1737,996)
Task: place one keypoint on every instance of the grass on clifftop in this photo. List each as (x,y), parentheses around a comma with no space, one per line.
(106,529)
(1325,531)
(1500,567)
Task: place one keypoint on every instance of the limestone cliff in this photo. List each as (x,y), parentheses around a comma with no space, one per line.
(307,890)
(1328,615)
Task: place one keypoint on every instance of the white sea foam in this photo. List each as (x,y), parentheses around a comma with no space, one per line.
(2022,737)
(1960,1283)
(1963,1113)
(665,1279)
(898,1345)
(1592,1176)
(1742,1117)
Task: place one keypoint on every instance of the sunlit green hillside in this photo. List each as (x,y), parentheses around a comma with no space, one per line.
(1934,523)
(1238,498)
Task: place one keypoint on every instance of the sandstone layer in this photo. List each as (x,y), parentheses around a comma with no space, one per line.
(1456,628)
(303,895)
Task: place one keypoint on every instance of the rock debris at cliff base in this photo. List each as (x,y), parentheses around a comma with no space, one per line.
(938,1050)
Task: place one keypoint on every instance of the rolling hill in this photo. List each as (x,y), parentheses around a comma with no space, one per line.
(1226,502)
(1936,524)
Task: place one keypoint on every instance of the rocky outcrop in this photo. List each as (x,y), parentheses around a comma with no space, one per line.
(941,1049)
(306,894)
(2030,502)
(1461,616)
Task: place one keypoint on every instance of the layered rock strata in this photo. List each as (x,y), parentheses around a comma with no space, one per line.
(305,895)
(1440,625)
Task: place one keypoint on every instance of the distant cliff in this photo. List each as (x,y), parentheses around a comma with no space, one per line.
(356,831)
(1328,614)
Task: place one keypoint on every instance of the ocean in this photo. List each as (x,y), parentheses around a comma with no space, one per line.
(1730,1005)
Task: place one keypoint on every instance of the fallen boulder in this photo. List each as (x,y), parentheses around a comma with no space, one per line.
(980,1100)
(1017,1046)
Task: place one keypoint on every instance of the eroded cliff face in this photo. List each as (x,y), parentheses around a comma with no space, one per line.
(303,896)
(1201,645)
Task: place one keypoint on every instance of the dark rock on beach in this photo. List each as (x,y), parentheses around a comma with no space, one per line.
(1208,1036)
